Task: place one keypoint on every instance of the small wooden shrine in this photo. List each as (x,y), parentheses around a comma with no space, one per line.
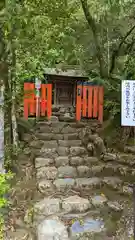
(64,85)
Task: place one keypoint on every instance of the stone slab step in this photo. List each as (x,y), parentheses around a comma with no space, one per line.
(78,151)
(70,143)
(43,162)
(48,179)
(46,173)
(49,206)
(63,184)
(113,182)
(83,161)
(122,158)
(75,204)
(50,144)
(78,183)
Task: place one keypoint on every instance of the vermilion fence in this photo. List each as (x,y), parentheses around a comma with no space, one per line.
(89,102)
(34,105)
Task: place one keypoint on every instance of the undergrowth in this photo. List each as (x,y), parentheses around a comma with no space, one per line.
(4,189)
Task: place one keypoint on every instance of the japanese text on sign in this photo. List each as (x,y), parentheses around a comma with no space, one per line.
(128,103)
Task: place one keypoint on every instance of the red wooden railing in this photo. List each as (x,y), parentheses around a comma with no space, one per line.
(89,102)
(44,101)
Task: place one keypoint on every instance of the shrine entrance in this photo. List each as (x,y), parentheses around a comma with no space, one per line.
(64,93)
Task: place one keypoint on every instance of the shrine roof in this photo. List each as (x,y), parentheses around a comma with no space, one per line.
(65,72)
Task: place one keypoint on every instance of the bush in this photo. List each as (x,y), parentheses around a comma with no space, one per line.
(4,189)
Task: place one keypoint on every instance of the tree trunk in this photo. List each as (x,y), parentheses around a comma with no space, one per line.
(2,127)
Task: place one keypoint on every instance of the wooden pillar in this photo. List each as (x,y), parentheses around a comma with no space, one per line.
(55,94)
(74,94)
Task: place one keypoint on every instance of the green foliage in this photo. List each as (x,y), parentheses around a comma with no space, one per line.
(4,189)
(45,33)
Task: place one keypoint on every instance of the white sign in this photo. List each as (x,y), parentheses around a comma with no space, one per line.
(128,103)
(37,83)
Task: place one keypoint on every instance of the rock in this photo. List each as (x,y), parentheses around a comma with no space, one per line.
(90,148)
(129,149)
(57,137)
(113,168)
(86,230)
(42,162)
(109,157)
(76,161)
(68,130)
(67,172)
(84,135)
(71,136)
(63,151)
(57,130)
(97,169)
(69,143)
(100,147)
(48,173)
(48,153)
(44,136)
(19,233)
(61,161)
(54,119)
(50,144)
(27,151)
(67,118)
(36,144)
(127,190)
(51,229)
(45,185)
(55,108)
(75,204)
(113,182)
(88,182)
(45,129)
(27,137)
(62,184)
(128,159)
(83,171)
(77,151)
(90,161)
(78,125)
(98,200)
(93,137)
(47,206)
(115,206)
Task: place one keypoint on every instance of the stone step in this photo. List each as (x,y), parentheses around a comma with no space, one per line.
(53,168)
(129,149)
(76,161)
(43,162)
(78,151)
(75,212)
(122,158)
(77,183)
(69,143)
(56,136)
(50,144)
(113,169)
(46,173)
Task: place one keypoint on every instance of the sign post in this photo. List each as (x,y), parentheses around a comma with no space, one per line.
(38,87)
(128,115)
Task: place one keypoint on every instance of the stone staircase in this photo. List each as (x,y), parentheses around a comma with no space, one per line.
(82,187)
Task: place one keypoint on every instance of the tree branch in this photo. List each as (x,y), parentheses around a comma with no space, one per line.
(93,27)
(116,52)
